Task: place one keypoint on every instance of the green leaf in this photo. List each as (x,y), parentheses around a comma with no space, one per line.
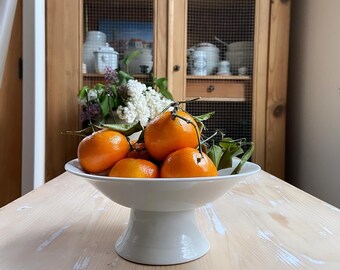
(244,158)
(161,85)
(226,142)
(83,91)
(104,105)
(161,82)
(166,93)
(126,129)
(128,58)
(203,117)
(123,77)
(114,100)
(234,149)
(215,153)
(99,86)
(226,160)
(231,148)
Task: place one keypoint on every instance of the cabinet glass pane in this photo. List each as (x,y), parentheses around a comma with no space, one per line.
(220,40)
(127,25)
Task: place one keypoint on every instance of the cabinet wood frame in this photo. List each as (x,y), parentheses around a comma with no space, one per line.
(64,37)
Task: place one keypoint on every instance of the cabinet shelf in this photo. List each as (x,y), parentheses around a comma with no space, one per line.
(93,78)
(218,77)
(97,75)
(217,99)
(189,77)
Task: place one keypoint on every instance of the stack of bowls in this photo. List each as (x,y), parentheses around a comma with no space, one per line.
(213,56)
(240,56)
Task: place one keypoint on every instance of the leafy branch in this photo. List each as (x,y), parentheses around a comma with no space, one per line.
(222,154)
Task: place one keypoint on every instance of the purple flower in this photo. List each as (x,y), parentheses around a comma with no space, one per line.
(111,76)
(91,112)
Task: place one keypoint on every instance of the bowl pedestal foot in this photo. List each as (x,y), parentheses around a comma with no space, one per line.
(162,238)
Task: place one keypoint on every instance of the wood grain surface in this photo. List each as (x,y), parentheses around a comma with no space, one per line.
(277,87)
(63,81)
(11,116)
(262,223)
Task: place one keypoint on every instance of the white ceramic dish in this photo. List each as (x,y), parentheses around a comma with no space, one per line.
(162,229)
(240,54)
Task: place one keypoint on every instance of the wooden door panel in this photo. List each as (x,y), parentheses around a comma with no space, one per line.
(63,45)
(11,117)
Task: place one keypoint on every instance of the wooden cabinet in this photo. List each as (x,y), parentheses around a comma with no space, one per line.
(255,101)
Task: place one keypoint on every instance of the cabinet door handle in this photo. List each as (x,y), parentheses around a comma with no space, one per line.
(177,67)
(210,88)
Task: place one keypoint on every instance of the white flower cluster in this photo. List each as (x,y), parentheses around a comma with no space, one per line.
(143,103)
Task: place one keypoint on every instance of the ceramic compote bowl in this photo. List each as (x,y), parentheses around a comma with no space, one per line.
(162,228)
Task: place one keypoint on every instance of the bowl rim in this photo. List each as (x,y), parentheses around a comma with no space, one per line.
(74,167)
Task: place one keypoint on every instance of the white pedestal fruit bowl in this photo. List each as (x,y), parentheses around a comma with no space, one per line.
(162,228)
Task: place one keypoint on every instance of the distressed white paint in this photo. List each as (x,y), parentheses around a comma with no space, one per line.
(286,257)
(213,218)
(314,261)
(115,262)
(24,207)
(81,263)
(53,237)
(281,253)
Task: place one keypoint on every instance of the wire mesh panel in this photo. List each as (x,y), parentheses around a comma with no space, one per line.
(126,26)
(220,38)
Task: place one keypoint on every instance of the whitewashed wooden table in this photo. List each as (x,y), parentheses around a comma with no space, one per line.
(262,223)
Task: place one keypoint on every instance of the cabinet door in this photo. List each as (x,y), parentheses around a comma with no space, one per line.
(67,23)
(223,48)
(63,76)
(129,25)
(215,46)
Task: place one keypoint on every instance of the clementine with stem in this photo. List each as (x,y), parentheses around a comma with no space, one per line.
(170,131)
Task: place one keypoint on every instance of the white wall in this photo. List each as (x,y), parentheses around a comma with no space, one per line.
(313,120)
(33,140)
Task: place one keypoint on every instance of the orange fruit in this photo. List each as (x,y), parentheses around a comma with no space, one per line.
(138,151)
(164,135)
(134,168)
(188,162)
(99,151)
